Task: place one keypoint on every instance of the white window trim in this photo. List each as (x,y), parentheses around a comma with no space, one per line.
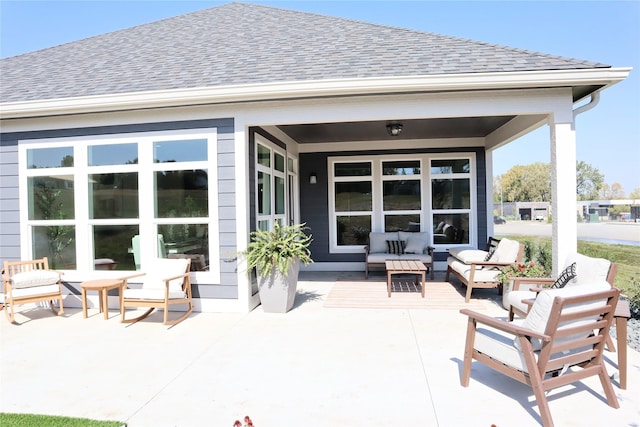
(377,213)
(146,221)
(273,173)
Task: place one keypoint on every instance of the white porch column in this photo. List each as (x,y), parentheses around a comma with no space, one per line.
(489,193)
(563,189)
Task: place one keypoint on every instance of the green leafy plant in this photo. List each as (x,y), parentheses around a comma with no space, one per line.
(529,269)
(277,248)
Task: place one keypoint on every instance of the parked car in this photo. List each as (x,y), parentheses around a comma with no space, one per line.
(539,217)
(499,220)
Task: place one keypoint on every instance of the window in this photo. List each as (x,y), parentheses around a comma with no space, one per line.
(117,201)
(396,193)
(272,195)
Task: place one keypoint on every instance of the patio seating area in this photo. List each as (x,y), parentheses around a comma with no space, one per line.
(318,365)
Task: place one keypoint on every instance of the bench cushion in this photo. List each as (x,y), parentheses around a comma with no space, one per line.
(378,241)
(30,279)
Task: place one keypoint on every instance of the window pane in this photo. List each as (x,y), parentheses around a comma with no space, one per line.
(450,166)
(279,161)
(279,190)
(401,195)
(263,225)
(113,247)
(353,196)
(113,154)
(353,230)
(180,151)
(187,241)
(451,228)
(39,158)
(451,194)
(181,194)
(264,193)
(411,167)
(291,165)
(264,156)
(51,197)
(352,169)
(402,222)
(113,195)
(57,243)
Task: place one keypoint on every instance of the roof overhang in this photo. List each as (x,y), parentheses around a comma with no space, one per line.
(583,81)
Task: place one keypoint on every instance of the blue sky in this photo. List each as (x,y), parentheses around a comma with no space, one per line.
(608,137)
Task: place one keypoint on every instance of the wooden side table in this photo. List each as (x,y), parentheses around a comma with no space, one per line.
(102,286)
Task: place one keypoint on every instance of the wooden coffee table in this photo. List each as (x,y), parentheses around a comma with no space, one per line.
(102,286)
(409,266)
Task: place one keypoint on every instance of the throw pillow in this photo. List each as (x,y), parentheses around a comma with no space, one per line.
(565,277)
(492,250)
(415,245)
(395,246)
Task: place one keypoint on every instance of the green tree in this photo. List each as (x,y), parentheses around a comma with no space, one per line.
(530,183)
(635,193)
(589,181)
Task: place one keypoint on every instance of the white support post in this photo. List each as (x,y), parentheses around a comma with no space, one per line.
(563,191)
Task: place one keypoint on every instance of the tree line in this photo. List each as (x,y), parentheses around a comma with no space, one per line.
(532,183)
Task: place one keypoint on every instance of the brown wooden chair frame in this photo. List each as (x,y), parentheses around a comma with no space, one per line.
(12,268)
(549,370)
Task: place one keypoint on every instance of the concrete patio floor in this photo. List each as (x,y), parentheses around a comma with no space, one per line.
(314,366)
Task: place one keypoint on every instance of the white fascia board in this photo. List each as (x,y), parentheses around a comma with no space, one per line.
(312,89)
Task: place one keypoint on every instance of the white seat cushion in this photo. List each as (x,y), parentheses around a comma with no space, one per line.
(480,275)
(381,258)
(34,278)
(152,294)
(378,241)
(164,268)
(506,251)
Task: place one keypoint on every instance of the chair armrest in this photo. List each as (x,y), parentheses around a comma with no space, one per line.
(517,281)
(429,250)
(366,250)
(126,278)
(183,275)
(503,325)
(490,264)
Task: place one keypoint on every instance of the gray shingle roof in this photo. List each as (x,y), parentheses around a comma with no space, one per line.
(246,43)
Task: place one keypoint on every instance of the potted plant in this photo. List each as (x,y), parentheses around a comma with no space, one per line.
(518,269)
(276,255)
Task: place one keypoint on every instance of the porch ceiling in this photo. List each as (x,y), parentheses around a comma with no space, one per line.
(456,127)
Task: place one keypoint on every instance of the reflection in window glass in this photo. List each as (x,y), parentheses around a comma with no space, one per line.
(402,222)
(180,151)
(187,241)
(112,247)
(352,169)
(291,165)
(57,243)
(264,156)
(401,195)
(58,157)
(113,195)
(450,166)
(451,228)
(353,230)
(450,194)
(353,196)
(51,197)
(409,167)
(279,193)
(264,193)
(182,194)
(263,225)
(113,154)
(279,162)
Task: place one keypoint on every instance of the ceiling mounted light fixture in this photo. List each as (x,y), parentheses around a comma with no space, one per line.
(394,129)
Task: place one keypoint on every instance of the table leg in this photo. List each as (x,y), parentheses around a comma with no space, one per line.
(389,283)
(84,302)
(621,334)
(423,283)
(105,303)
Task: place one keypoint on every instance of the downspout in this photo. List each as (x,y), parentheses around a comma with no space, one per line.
(595,98)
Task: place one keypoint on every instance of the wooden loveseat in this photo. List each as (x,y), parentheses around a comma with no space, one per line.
(397,245)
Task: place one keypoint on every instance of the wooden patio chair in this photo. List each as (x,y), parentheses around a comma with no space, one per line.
(31,281)
(479,269)
(561,341)
(167,284)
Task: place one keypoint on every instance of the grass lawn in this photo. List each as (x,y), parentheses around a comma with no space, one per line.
(29,420)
